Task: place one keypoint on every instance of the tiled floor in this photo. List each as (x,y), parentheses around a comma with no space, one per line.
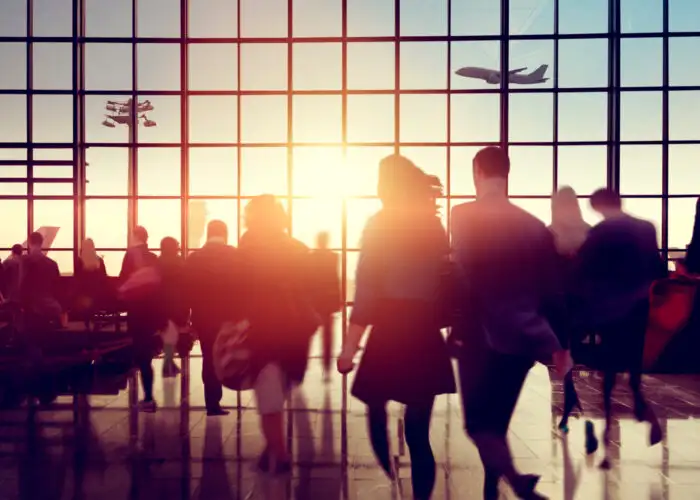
(179,453)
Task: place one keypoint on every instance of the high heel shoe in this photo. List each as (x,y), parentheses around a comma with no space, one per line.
(591,439)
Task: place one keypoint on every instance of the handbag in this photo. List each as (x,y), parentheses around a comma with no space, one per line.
(232,356)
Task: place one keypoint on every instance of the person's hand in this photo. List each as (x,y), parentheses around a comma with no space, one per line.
(345,363)
(562,363)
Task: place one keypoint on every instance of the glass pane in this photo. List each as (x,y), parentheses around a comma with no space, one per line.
(647,209)
(681,52)
(13,55)
(64,259)
(681,217)
(486,106)
(683,109)
(161,218)
(56,213)
(641,16)
(542,209)
(419,109)
(213,119)
(213,171)
(107,171)
(317,66)
(256,21)
(52,17)
(584,168)
(213,19)
(13,21)
(351,260)
(531,17)
(201,212)
(684,16)
(14,127)
(583,117)
(683,169)
(479,55)
(583,63)
(362,165)
(317,118)
(159,171)
(580,17)
(263,170)
(108,66)
(264,118)
(163,124)
(158,66)
(641,62)
(100,128)
(213,66)
(310,217)
(476,17)
(431,159)
(370,66)
(106,18)
(53,188)
(370,18)
(317,18)
(370,118)
(461,170)
(269,76)
(159,19)
(530,117)
(535,57)
(358,212)
(640,170)
(318,172)
(53,66)
(106,222)
(14,229)
(640,118)
(53,118)
(113,261)
(13,188)
(423,65)
(532,170)
(423,17)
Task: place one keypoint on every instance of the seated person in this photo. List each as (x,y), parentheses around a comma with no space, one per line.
(91,283)
(39,285)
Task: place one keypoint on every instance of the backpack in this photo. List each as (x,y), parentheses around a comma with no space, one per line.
(232,356)
(144,281)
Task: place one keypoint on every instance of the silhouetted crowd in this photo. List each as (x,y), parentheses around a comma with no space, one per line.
(510,291)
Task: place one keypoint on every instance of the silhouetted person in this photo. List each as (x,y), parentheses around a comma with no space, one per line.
(406,359)
(618,264)
(92,286)
(691,263)
(570,231)
(142,312)
(509,265)
(325,265)
(10,276)
(176,312)
(213,294)
(278,292)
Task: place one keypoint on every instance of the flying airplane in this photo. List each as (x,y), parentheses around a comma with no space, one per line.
(514,76)
(49,233)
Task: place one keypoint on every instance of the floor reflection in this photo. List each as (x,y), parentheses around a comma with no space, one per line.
(99,449)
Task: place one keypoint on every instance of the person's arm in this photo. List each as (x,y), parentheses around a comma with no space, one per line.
(126,267)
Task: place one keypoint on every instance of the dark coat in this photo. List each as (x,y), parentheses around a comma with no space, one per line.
(174,305)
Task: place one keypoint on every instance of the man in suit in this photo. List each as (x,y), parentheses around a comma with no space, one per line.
(213,292)
(506,258)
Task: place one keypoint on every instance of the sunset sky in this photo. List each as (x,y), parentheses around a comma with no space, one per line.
(327,166)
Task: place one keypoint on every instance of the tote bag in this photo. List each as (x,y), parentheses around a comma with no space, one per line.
(232,356)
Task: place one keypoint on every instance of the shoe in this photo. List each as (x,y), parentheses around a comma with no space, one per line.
(148,406)
(656,434)
(564,425)
(591,439)
(281,467)
(525,487)
(264,461)
(217,412)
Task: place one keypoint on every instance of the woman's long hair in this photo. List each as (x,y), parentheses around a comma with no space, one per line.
(88,255)
(568,226)
(265,213)
(169,248)
(404,186)
(692,259)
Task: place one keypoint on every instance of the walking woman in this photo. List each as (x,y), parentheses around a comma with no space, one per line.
(175,312)
(570,231)
(404,252)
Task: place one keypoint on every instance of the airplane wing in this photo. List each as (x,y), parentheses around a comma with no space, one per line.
(514,71)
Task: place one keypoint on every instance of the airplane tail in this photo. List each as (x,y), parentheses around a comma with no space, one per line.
(539,72)
(49,233)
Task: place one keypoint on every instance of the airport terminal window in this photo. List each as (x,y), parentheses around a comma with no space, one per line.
(229,146)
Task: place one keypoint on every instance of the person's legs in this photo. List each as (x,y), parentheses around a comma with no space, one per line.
(571,400)
(213,390)
(417,433)
(377,422)
(271,393)
(327,343)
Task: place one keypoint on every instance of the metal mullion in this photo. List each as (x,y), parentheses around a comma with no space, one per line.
(616,41)
(134,125)
(184,128)
(290,108)
(505,51)
(611,95)
(448,150)
(239,121)
(30,117)
(397,75)
(555,104)
(665,133)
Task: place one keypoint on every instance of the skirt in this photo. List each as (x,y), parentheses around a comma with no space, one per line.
(406,358)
